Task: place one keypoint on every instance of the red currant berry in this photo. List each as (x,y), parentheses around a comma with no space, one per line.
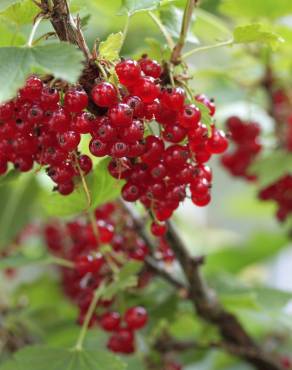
(75,100)
(128,72)
(104,94)
(136,317)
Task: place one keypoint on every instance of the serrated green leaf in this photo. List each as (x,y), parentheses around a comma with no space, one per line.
(126,278)
(269,168)
(171,17)
(256,33)
(256,8)
(60,59)
(109,49)
(49,358)
(4,4)
(134,6)
(20,12)
(102,187)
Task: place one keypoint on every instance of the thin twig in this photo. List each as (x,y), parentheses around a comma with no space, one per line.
(187,18)
(163,30)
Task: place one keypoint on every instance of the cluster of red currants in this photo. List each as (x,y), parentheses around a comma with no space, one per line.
(153,133)
(37,127)
(280,192)
(245,136)
(77,241)
(158,167)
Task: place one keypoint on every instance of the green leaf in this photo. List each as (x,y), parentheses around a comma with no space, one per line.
(60,59)
(271,167)
(49,358)
(109,49)
(10,177)
(10,36)
(20,13)
(102,187)
(171,17)
(256,32)
(7,3)
(17,201)
(256,8)
(134,6)
(258,249)
(205,114)
(126,278)
(26,256)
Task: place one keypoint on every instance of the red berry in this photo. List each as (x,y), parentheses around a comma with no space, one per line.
(158,229)
(128,72)
(110,321)
(136,317)
(146,89)
(104,94)
(190,116)
(75,100)
(121,115)
(150,67)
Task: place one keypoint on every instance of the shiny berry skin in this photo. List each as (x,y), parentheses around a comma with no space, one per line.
(110,321)
(146,89)
(133,133)
(174,133)
(158,229)
(6,111)
(104,94)
(121,115)
(199,187)
(190,116)
(106,231)
(60,121)
(154,150)
(217,143)
(82,123)
(128,72)
(136,104)
(49,98)
(75,100)
(201,201)
(119,149)
(66,188)
(150,67)
(130,192)
(136,317)
(173,98)
(98,148)
(85,163)
(32,89)
(69,140)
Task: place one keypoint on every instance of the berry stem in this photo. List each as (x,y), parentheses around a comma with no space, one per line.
(33,31)
(163,30)
(62,262)
(84,183)
(102,70)
(97,295)
(207,47)
(187,17)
